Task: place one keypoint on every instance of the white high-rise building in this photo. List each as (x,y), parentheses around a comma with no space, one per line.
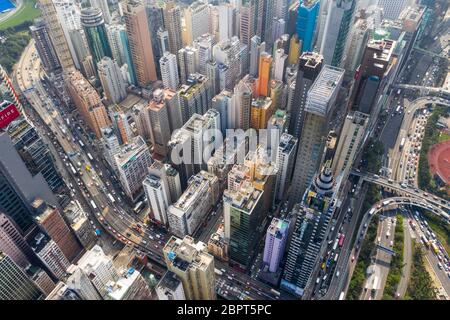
(102,5)
(279,64)
(187,62)
(80,282)
(392,8)
(204,45)
(112,81)
(197,20)
(226,20)
(169,70)
(157,198)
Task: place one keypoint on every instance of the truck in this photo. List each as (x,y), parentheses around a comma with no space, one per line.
(81,143)
(90,156)
(435,248)
(72,169)
(342,295)
(93,204)
(341,240)
(111,198)
(335,244)
(372,211)
(218,272)
(402,143)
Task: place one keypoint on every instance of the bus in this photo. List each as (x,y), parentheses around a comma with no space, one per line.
(111,198)
(275,292)
(68,121)
(72,169)
(138,207)
(435,248)
(81,143)
(342,295)
(424,241)
(218,272)
(402,144)
(398,109)
(372,211)
(93,204)
(335,244)
(90,156)
(336,257)
(341,240)
(399,91)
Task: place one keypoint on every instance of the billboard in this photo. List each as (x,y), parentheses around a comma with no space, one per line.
(8,114)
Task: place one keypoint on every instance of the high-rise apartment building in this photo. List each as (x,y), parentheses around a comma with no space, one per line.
(197,20)
(172,22)
(56,33)
(247,21)
(158,115)
(392,9)
(286,152)
(87,101)
(195,96)
(319,107)
(275,243)
(170,287)
(103,6)
(226,20)
(132,162)
(113,84)
(264,71)
(44,46)
(337,28)
(169,71)
(157,198)
(193,265)
(262,110)
(140,42)
(187,62)
(130,286)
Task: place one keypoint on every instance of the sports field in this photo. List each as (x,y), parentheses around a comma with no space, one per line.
(27,12)
(439,160)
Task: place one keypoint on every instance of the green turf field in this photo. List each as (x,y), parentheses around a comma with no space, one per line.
(27,12)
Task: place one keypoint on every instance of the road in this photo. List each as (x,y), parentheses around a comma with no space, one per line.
(115,217)
(407,257)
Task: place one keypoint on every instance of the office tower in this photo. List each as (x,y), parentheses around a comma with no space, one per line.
(79,223)
(392,9)
(34,151)
(140,42)
(212,72)
(311,219)
(95,31)
(291,20)
(172,102)
(49,253)
(163,41)
(18,188)
(158,117)
(103,6)
(87,101)
(294,50)
(267,21)
(169,179)
(204,45)
(81,281)
(281,8)
(275,243)
(224,103)
(306,23)
(155,23)
(187,62)
(256,48)
(41,279)
(226,20)
(172,22)
(309,67)
(169,70)
(157,198)
(14,283)
(279,65)
(357,42)
(56,33)
(113,84)
(244,91)
(118,40)
(197,20)
(50,220)
(193,265)
(376,60)
(195,96)
(130,286)
(132,162)
(63,292)
(350,139)
(265,65)
(111,146)
(247,22)
(337,27)
(319,107)
(285,164)
(170,287)
(243,216)
(13,244)
(229,56)
(262,110)
(44,46)
(98,268)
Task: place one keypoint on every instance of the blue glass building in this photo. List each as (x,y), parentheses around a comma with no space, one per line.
(306,22)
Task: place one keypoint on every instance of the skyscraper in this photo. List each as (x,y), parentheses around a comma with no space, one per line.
(337,28)
(14,283)
(169,71)
(158,114)
(172,22)
(193,265)
(197,20)
(265,65)
(392,9)
(285,160)
(157,198)
(112,81)
(247,21)
(44,46)
(256,48)
(309,67)
(319,107)
(306,22)
(95,31)
(140,42)
(275,243)
(311,220)
(103,6)
(56,33)
(226,20)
